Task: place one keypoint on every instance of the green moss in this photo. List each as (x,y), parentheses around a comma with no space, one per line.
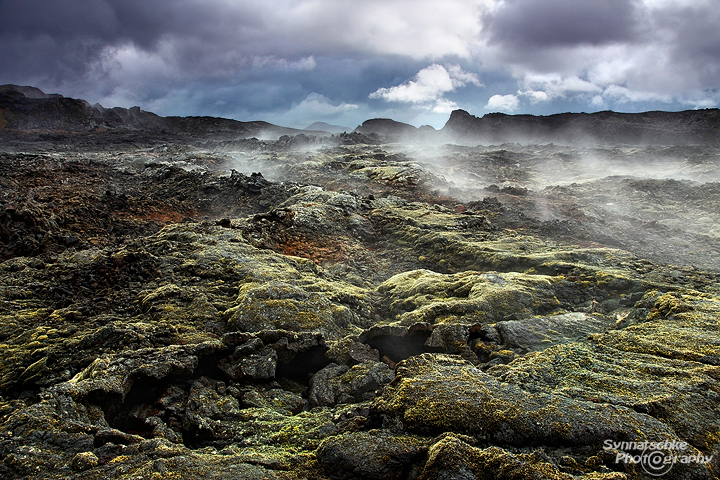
(436,394)
(425,296)
(673,391)
(278,305)
(670,304)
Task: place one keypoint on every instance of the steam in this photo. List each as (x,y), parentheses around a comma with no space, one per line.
(536,167)
(659,202)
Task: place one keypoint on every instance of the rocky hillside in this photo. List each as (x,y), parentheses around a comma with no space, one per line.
(28,108)
(191,306)
(386,126)
(657,128)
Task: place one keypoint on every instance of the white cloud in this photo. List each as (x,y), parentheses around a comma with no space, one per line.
(535,96)
(615,65)
(545,87)
(661,4)
(598,102)
(317,104)
(623,95)
(429,86)
(445,106)
(554,85)
(461,77)
(128,62)
(503,103)
(421,29)
(703,103)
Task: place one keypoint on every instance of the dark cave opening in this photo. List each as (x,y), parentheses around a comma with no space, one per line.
(150,400)
(144,393)
(143,400)
(397,348)
(300,367)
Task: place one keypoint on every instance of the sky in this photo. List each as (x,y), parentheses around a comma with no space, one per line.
(294,62)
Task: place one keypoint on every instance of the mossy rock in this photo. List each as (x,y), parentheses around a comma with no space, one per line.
(682,326)
(682,394)
(280,306)
(425,296)
(440,393)
(453,457)
(371,455)
(342,384)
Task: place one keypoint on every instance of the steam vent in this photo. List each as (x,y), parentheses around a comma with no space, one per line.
(508,297)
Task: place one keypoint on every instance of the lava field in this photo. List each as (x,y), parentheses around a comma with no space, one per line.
(188,306)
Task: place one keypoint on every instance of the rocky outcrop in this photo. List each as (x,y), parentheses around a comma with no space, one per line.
(386,127)
(658,128)
(371,455)
(28,108)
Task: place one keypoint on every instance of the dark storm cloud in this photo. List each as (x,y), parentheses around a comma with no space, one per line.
(105,20)
(65,38)
(610,54)
(243,56)
(219,38)
(326,59)
(538,24)
(695,31)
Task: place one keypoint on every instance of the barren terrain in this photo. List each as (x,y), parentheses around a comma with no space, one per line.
(175,305)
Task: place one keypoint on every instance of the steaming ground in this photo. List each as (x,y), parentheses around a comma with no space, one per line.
(540,166)
(661,203)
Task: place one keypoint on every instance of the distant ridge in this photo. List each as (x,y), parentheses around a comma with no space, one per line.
(28,108)
(327,127)
(662,128)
